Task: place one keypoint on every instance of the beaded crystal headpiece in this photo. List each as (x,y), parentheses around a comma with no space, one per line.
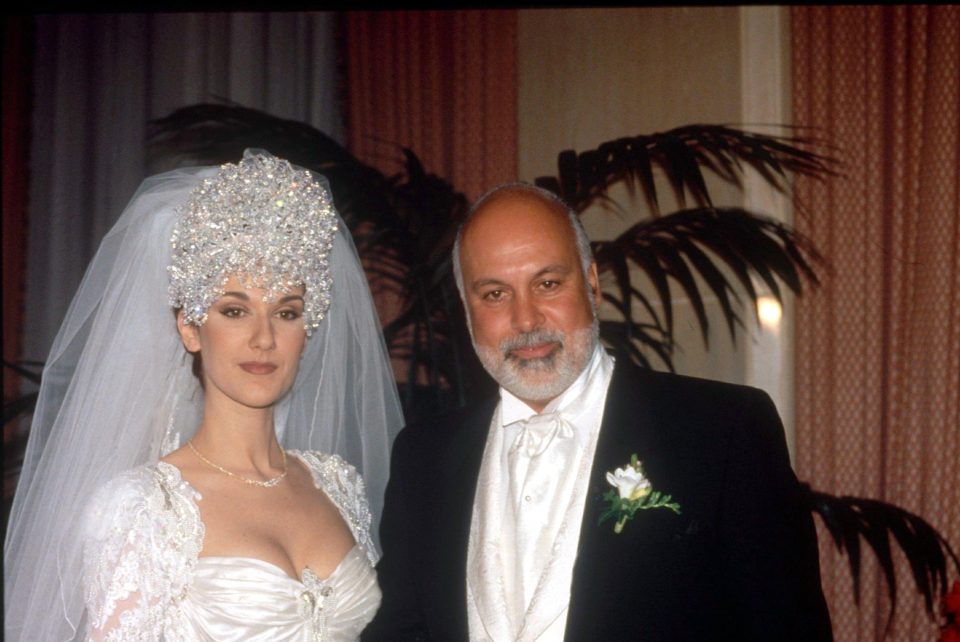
(262,221)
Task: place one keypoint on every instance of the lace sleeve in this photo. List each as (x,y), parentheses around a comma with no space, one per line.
(344,486)
(142,535)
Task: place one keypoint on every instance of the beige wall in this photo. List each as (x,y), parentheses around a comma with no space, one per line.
(592,75)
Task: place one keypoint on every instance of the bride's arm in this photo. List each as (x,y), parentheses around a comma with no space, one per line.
(118,607)
(131,558)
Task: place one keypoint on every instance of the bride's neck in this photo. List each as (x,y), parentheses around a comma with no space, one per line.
(238,434)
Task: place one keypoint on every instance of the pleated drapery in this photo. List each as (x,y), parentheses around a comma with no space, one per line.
(442,83)
(878,346)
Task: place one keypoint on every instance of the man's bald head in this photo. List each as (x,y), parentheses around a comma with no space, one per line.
(523,191)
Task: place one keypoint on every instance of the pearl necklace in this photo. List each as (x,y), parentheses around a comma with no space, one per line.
(269,483)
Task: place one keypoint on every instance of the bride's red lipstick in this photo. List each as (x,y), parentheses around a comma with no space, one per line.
(258,368)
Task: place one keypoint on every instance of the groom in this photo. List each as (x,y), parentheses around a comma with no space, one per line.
(492,528)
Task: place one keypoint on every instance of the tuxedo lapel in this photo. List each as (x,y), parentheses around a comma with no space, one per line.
(628,427)
(447,532)
(606,560)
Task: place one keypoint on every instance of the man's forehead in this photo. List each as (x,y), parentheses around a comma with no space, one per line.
(517,241)
(519,200)
(527,270)
(515,215)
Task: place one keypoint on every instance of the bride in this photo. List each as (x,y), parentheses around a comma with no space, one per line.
(190,474)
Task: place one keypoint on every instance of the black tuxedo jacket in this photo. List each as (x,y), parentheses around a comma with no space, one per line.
(738,563)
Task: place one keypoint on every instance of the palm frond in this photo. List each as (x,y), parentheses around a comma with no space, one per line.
(209,132)
(22,369)
(24,404)
(848,519)
(627,338)
(682,154)
(694,243)
(219,133)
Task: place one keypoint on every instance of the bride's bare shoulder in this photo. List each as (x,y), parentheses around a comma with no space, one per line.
(181,458)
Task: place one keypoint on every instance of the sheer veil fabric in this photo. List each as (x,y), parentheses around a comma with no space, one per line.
(118,392)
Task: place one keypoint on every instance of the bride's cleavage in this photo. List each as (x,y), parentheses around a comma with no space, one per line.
(276,568)
(353,550)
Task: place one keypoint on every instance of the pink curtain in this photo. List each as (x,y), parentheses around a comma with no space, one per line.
(878,346)
(441,83)
(444,84)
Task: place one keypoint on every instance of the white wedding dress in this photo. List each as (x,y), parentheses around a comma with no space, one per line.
(144,579)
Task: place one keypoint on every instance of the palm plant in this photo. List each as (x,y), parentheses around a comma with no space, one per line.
(404,225)
(691,242)
(850,519)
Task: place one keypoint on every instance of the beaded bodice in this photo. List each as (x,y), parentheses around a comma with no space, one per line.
(144,579)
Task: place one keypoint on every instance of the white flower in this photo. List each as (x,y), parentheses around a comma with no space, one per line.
(629,482)
(635,493)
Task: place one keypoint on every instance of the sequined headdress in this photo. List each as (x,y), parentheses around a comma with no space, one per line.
(260,220)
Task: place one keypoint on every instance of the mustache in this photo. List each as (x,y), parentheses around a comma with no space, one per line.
(532,338)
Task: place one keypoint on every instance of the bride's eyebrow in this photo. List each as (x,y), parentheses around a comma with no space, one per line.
(243,296)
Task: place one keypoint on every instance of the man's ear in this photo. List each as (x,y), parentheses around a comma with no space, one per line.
(593,279)
(189,334)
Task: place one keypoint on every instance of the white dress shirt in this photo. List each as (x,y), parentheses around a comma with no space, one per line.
(530,498)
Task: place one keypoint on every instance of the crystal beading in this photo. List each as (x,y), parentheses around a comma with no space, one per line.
(263,221)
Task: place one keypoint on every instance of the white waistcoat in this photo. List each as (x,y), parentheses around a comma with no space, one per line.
(527,512)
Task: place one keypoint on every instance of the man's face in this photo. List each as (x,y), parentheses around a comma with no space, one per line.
(531,311)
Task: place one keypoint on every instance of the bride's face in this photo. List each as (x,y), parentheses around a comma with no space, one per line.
(250,348)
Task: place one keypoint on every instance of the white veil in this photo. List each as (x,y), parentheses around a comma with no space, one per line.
(118,392)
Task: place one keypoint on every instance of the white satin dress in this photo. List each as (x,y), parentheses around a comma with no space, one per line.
(144,579)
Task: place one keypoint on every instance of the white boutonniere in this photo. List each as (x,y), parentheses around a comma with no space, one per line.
(632,492)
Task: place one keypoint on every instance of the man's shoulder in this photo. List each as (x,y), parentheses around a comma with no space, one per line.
(628,375)
(689,408)
(451,424)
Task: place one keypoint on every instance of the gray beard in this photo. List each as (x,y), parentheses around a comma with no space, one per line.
(543,378)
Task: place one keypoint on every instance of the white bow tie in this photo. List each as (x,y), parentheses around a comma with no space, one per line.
(539,431)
